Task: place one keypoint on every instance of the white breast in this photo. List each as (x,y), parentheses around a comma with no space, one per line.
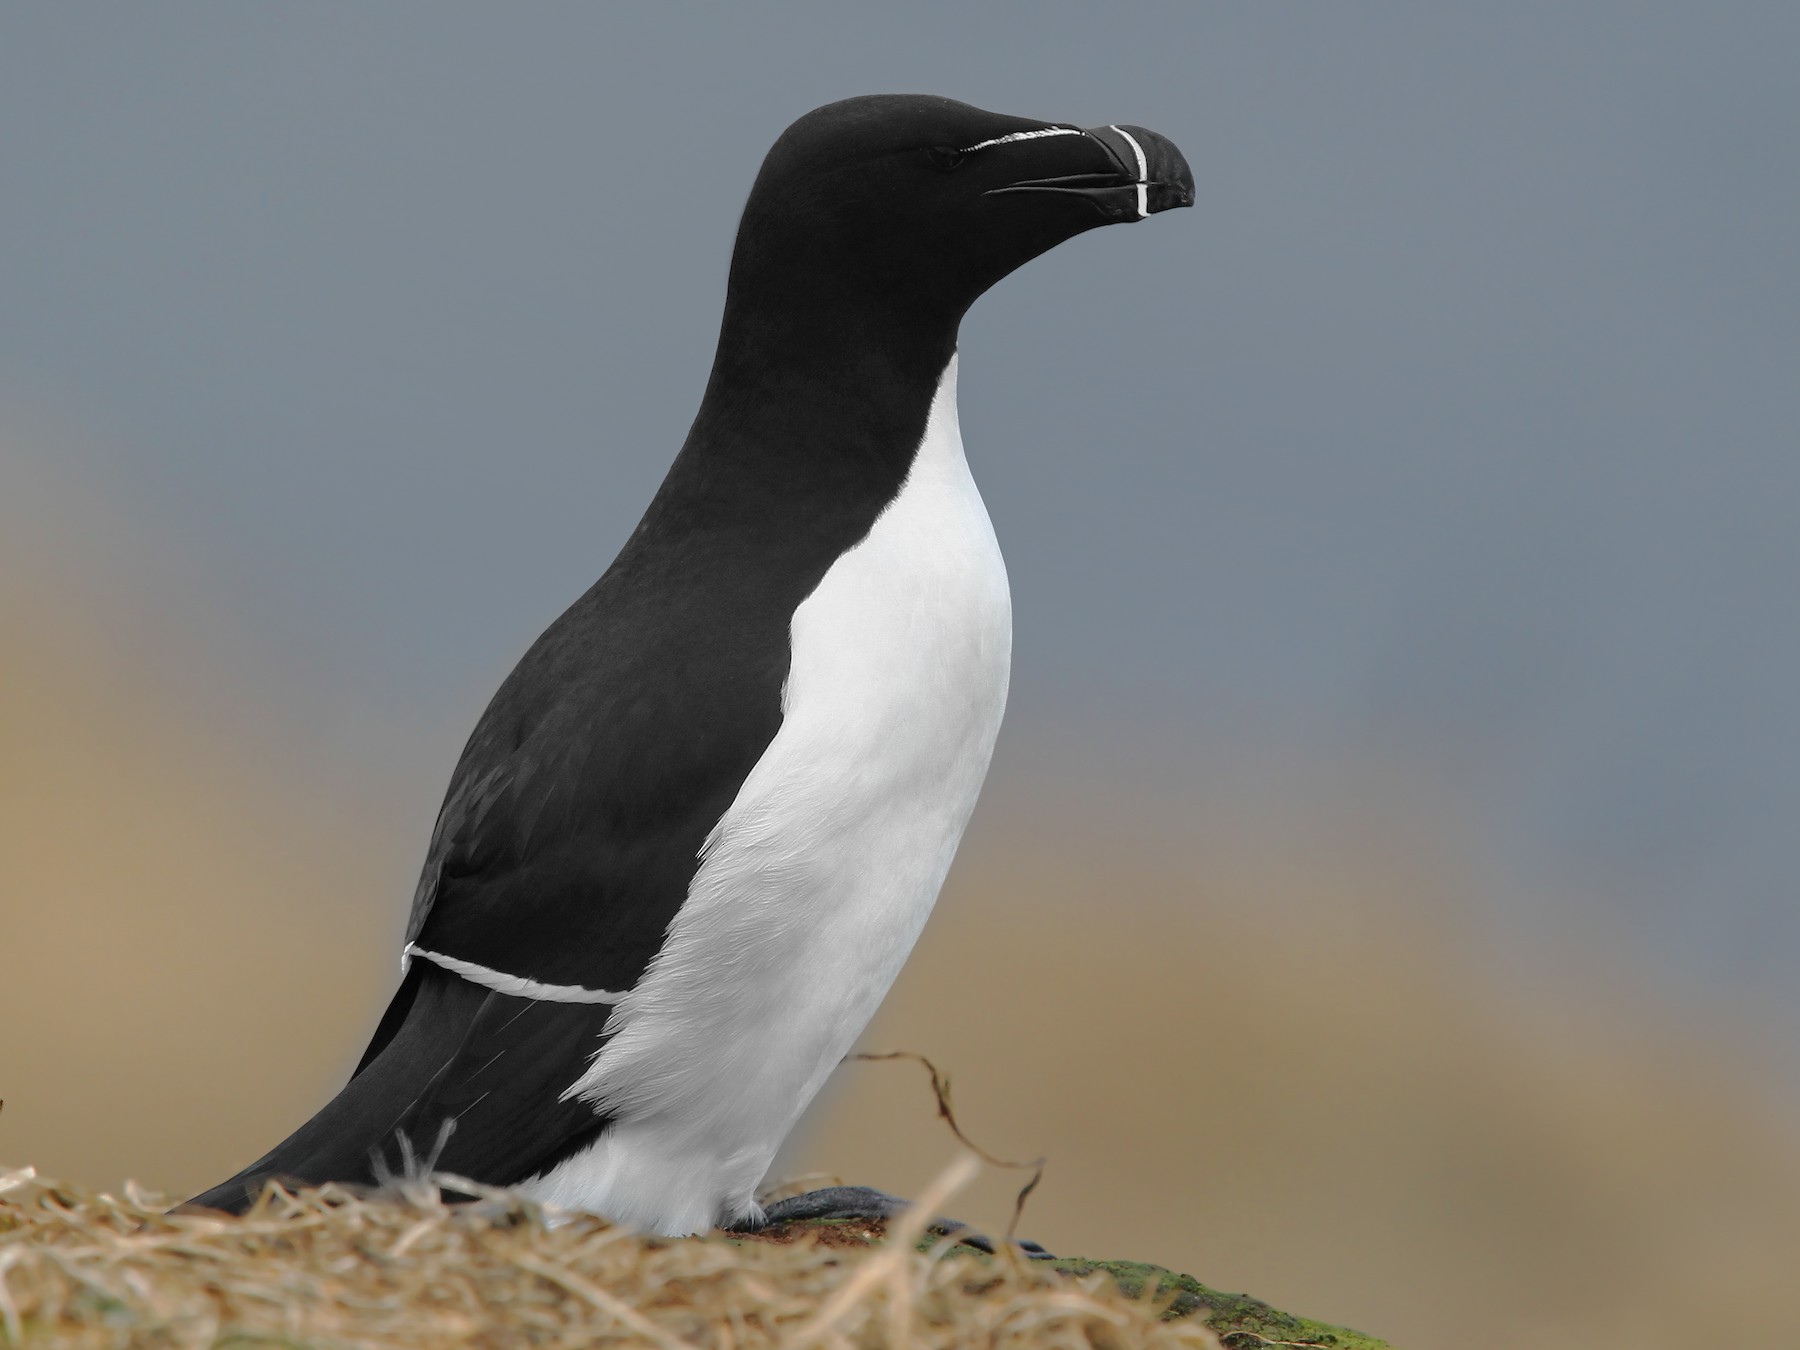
(815,884)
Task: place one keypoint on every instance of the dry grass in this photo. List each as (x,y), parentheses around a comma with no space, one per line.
(330,1268)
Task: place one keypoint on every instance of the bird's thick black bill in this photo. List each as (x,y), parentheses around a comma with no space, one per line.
(1149,175)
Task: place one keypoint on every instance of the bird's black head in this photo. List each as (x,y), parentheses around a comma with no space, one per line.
(913,205)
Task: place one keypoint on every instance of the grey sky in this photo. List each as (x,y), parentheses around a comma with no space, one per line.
(1460,421)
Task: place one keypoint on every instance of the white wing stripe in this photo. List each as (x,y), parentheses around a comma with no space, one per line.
(517,986)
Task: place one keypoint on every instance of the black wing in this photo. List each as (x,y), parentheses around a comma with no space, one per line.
(564,848)
(575,816)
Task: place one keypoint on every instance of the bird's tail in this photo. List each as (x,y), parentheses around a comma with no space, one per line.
(360,1136)
(477,1078)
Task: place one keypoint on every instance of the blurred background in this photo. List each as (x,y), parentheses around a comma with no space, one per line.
(1383,899)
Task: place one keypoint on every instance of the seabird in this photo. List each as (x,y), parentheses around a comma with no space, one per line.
(693,837)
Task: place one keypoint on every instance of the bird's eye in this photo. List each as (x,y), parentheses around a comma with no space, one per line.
(944,158)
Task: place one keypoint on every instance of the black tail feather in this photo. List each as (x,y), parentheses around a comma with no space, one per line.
(474,1075)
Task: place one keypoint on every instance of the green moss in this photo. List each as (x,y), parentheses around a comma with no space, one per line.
(1242,1322)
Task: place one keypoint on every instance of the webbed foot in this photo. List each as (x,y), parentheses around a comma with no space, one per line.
(867,1203)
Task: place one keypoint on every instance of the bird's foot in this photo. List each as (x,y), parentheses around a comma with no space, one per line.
(870,1205)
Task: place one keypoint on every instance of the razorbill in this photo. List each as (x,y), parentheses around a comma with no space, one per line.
(696,832)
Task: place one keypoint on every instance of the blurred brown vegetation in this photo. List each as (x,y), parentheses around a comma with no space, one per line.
(1274,1051)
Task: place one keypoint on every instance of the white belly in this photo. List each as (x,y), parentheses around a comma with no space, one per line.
(815,884)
